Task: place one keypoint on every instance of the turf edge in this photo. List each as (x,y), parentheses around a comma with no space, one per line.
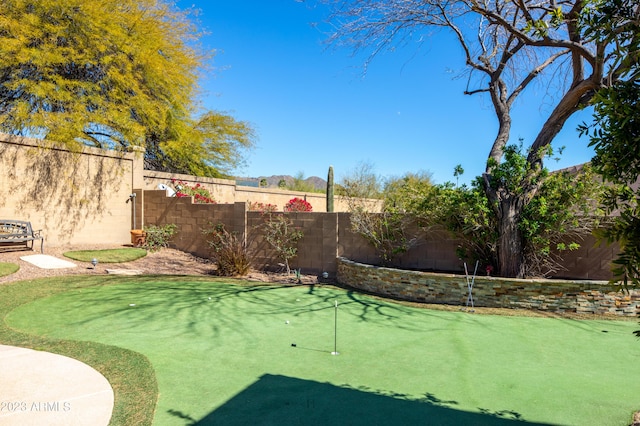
(130,373)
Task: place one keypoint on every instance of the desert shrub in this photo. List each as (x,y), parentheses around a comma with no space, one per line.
(228,250)
(261,207)
(158,237)
(282,236)
(553,222)
(386,232)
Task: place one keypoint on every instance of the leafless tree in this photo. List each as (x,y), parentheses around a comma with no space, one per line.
(507,44)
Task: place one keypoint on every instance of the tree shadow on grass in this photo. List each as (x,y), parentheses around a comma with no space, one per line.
(279,400)
(142,300)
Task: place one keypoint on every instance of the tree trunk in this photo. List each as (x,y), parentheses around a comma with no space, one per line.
(510,240)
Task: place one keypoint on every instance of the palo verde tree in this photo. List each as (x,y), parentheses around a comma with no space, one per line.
(507,45)
(211,145)
(112,74)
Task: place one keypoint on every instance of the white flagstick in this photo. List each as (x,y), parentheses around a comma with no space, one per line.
(335,331)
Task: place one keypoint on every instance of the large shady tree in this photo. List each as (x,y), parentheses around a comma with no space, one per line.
(615,134)
(507,45)
(113,74)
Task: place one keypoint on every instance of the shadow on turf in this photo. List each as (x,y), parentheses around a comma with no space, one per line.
(151,296)
(279,400)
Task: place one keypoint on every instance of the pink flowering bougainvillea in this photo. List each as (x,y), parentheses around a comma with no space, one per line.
(200,194)
(298,205)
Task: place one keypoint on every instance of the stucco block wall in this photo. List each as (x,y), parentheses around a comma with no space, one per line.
(591,262)
(318,247)
(226,191)
(352,245)
(83,198)
(223,190)
(190,219)
(435,250)
(329,235)
(316,250)
(74,197)
(586,297)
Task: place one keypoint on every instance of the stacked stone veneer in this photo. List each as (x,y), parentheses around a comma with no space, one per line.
(588,297)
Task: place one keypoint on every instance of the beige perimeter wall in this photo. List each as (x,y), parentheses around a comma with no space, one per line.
(84,198)
(226,191)
(73,197)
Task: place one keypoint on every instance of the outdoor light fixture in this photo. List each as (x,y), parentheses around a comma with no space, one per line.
(94,262)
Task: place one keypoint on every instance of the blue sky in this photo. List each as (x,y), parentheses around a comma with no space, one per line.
(312,106)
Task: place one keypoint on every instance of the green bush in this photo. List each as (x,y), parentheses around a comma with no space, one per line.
(159,236)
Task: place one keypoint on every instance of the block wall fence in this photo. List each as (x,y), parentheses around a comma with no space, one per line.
(328,236)
(325,235)
(84,197)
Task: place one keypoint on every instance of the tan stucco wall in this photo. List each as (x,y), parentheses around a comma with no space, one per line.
(81,197)
(226,191)
(74,197)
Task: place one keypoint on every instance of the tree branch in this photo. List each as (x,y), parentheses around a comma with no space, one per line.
(534,73)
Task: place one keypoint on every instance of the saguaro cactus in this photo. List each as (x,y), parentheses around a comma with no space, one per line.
(330,190)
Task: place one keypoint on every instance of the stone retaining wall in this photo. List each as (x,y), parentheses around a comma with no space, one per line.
(594,297)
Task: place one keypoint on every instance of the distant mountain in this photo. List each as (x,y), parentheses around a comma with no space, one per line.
(274,181)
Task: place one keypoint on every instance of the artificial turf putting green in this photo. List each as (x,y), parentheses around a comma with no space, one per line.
(223,354)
